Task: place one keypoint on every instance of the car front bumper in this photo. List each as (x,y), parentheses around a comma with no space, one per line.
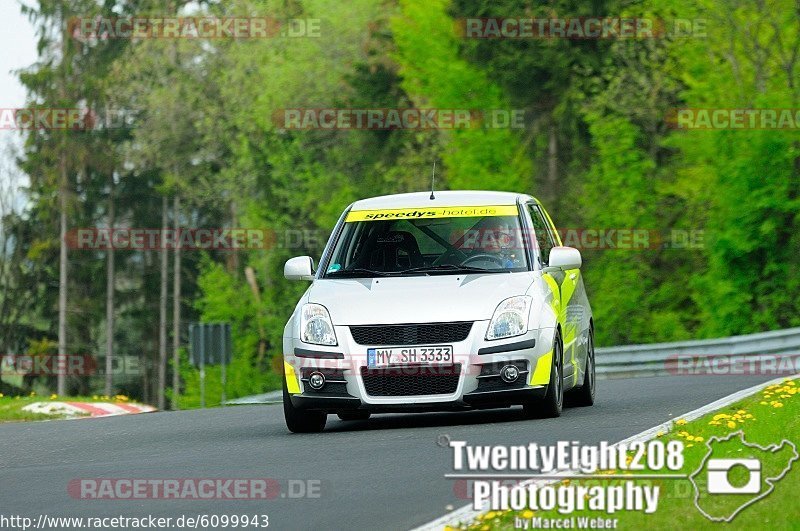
(473,380)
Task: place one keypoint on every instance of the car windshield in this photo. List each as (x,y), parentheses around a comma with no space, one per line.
(401,246)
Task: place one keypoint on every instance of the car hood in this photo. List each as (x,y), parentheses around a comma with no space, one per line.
(418,299)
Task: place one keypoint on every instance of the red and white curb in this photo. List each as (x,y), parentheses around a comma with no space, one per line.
(87,409)
(468,514)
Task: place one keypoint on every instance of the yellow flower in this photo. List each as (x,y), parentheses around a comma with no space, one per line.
(680,422)
(527,513)
(721,416)
(731,424)
(660,434)
(763,403)
(565,482)
(1,395)
(777,405)
(689,445)
(33,393)
(95,397)
(53,396)
(699,439)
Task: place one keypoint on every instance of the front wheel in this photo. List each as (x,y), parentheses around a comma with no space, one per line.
(299,420)
(553,402)
(584,395)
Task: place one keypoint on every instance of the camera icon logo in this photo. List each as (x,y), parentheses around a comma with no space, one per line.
(719,481)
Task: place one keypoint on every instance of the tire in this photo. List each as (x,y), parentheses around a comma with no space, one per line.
(584,395)
(353,415)
(299,420)
(553,402)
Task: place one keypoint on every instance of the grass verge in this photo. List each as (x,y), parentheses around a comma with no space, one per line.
(766,418)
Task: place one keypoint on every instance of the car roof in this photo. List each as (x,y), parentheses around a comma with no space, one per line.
(444,198)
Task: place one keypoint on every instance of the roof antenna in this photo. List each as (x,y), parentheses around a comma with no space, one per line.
(433,179)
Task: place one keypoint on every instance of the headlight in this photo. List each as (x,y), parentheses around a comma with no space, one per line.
(316,326)
(510,318)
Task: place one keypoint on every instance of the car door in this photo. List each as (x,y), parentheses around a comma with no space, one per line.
(571,295)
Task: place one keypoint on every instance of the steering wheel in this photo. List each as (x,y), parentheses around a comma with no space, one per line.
(485,256)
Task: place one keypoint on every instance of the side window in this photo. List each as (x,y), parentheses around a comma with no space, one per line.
(544,240)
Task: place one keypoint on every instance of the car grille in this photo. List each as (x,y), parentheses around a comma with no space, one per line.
(411,334)
(409,381)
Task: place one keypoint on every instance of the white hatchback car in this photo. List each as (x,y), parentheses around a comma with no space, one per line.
(465,300)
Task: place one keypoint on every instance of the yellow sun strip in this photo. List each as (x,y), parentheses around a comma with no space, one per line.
(432,212)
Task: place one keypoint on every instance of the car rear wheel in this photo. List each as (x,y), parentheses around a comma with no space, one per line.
(584,395)
(299,420)
(353,415)
(553,402)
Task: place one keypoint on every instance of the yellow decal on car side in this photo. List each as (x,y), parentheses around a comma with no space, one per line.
(541,374)
(291,379)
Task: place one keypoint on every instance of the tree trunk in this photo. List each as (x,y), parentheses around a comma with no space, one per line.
(176,307)
(234,255)
(250,275)
(62,277)
(162,308)
(110,295)
(552,161)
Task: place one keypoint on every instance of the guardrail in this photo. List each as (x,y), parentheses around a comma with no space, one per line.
(780,348)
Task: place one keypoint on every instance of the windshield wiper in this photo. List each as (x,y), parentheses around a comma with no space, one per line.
(451,267)
(358,271)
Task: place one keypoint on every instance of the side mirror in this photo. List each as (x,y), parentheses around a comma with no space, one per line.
(299,268)
(565,258)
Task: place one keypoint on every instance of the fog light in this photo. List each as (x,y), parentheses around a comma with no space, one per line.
(316,381)
(509,373)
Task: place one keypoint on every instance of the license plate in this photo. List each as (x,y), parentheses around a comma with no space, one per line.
(386,357)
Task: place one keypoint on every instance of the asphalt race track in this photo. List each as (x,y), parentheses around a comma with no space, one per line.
(384,473)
